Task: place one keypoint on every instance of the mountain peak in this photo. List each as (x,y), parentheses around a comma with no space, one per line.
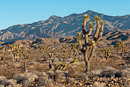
(53,17)
(89,11)
(93,13)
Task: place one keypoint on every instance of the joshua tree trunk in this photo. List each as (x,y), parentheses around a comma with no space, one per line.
(88,66)
(87,62)
(25,66)
(50,61)
(122,50)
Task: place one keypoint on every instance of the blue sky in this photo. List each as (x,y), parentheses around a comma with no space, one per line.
(14,12)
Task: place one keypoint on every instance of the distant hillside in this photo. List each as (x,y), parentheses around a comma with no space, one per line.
(109,38)
(61,27)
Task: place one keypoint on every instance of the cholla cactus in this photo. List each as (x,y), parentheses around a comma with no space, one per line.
(96,37)
(107,53)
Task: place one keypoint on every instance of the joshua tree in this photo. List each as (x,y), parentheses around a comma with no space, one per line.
(75,52)
(2,54)
(64,51)
(50,60)
(43,48)
(121,47)
(96,37)
(107,53)
(79,38)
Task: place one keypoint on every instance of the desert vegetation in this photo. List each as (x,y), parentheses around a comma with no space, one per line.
(68,63)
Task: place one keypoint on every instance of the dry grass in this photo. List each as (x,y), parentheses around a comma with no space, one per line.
(72,76)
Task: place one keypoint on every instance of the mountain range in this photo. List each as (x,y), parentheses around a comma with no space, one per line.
(57,27)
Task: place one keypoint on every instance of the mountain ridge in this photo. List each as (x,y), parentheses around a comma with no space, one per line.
(56,26)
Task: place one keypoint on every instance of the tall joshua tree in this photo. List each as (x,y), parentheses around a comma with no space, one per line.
(90,43)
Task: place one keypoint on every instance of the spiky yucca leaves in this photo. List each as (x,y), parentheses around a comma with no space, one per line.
(96,37)
(107,53)
(90,24)
(86,18)
(97,18)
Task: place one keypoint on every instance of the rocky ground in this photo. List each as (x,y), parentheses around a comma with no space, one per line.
(27,65)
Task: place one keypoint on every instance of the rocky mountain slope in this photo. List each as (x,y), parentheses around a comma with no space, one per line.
(110,38)
(61,27)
